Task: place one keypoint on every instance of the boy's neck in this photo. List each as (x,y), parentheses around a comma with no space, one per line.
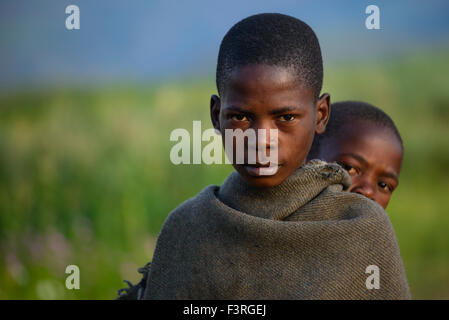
(280,201)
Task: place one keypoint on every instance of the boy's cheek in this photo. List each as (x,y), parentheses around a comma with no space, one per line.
(383,200)
(295,148)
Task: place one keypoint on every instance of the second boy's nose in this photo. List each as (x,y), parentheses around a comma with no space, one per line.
(362,187)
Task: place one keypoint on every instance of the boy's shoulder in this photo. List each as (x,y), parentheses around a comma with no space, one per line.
(353,201)
(187,211)
(335,204)
(345,229)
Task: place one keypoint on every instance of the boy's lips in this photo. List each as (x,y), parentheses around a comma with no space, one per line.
(261,170)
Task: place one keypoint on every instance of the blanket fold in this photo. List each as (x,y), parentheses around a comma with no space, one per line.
(303,239)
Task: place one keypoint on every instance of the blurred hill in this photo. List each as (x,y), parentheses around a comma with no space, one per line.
(85,176)
(165,40)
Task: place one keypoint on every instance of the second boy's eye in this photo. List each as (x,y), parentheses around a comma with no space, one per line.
(351,170)
(384,186)
(287,117)
(239,117)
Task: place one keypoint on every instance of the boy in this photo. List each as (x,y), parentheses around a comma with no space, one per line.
(365,141)
(290,233)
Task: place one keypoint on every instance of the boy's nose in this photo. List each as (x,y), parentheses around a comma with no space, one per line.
(267,136)
(362,187)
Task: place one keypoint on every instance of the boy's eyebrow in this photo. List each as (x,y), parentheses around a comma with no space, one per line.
(274,112)
(363,161)
(283,110)
(357,157)
(236,109)
(390,175)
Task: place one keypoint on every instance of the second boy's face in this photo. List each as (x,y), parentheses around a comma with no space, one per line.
(268,97)
(372,156)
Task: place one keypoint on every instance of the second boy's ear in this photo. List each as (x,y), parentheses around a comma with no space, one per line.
(215,105)
(323,111)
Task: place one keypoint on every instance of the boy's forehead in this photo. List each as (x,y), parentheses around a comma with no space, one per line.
(261,77)
(353,131)
(262,72)
(265,83)
(376,145)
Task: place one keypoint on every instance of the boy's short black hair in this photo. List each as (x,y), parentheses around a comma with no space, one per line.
(347,112)
(272,39)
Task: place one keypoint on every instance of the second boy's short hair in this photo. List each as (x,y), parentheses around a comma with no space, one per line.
(272,39)
(347,112)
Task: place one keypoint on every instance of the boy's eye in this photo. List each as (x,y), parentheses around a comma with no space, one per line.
(351,170)
(384,186)
(239,117)
(287,117)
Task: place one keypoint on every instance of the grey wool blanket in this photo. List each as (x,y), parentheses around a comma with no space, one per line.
(303,239)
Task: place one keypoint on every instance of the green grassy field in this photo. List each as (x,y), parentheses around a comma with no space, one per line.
(85,175)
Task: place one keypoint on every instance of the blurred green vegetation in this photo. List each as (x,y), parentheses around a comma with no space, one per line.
(85,175)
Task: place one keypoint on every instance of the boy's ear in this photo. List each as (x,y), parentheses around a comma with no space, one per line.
(323,111)
(215,105)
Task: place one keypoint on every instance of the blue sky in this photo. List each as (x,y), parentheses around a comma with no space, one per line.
(139,40)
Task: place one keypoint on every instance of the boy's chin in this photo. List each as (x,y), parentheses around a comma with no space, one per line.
(260,181)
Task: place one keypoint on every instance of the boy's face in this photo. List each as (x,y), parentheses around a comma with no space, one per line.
(371,155)
(268,97)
